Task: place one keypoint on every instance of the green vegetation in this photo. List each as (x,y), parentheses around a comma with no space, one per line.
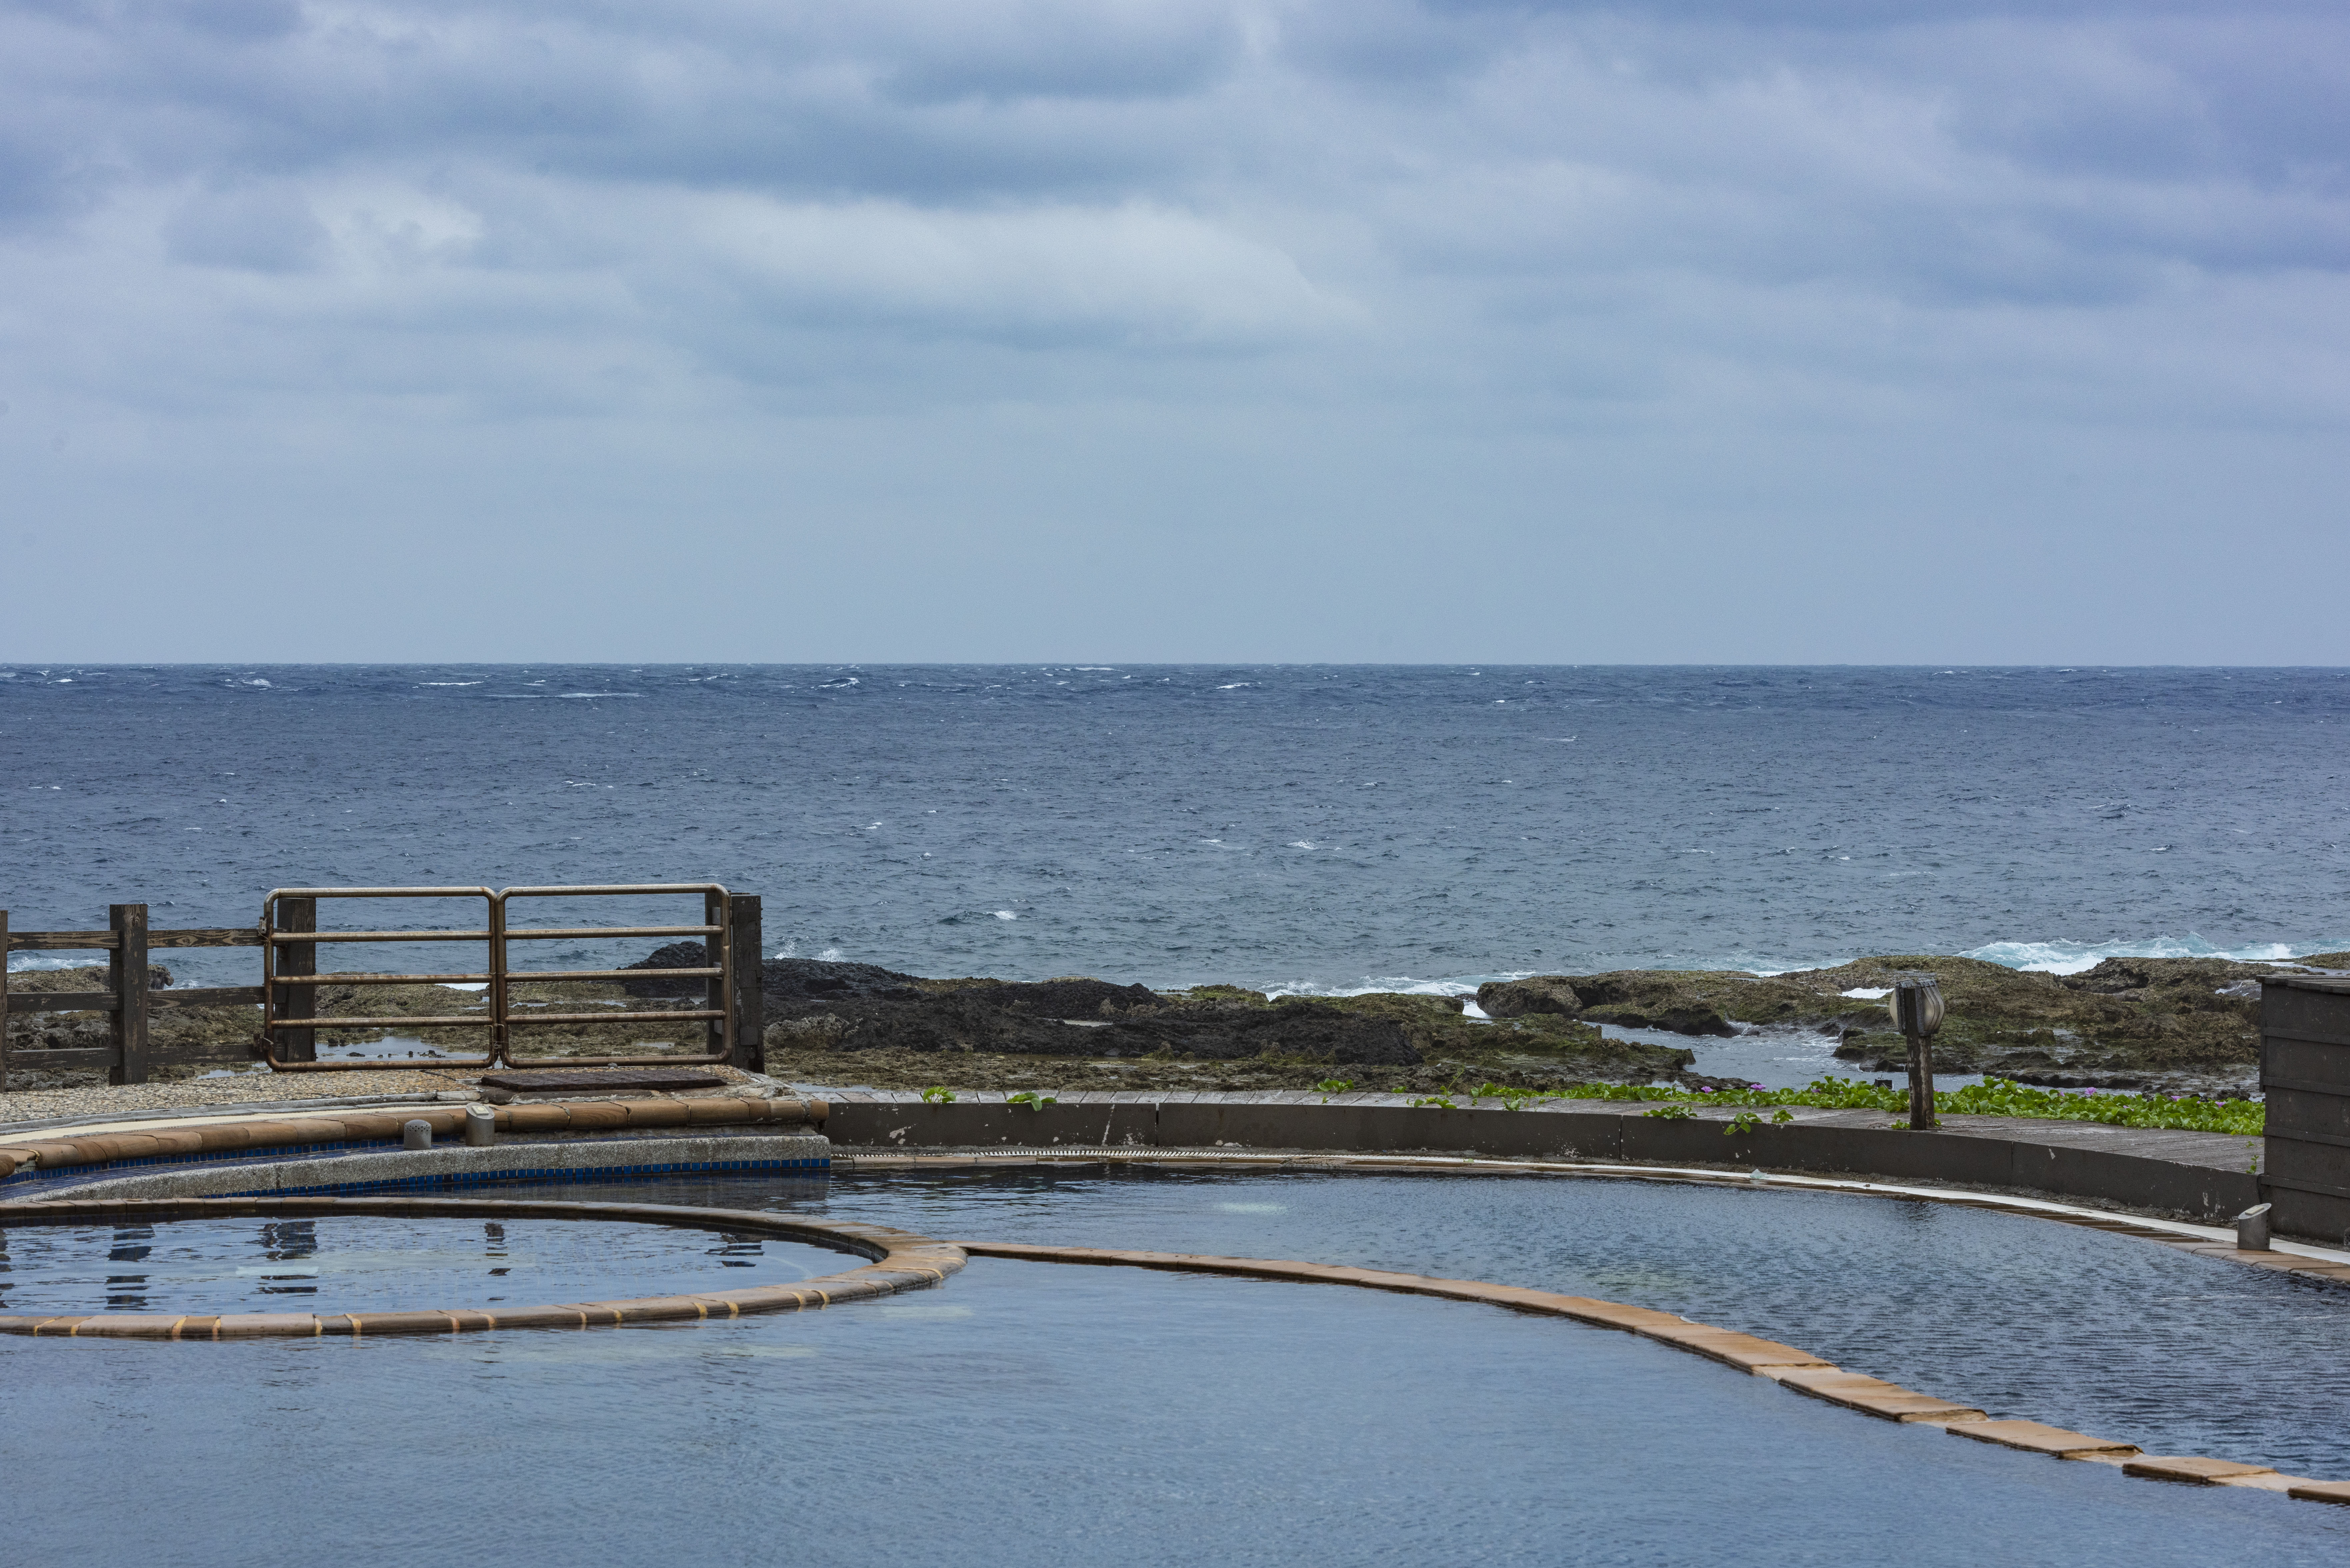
(1032,1099)
(937,1095)
(2245,1118)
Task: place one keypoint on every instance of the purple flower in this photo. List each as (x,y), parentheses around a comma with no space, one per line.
(1755,1085)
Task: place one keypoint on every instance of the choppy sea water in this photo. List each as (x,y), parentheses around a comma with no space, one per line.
(1294,827)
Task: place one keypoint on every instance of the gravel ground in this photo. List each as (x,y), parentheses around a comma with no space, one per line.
(241,1088)
(102,1100)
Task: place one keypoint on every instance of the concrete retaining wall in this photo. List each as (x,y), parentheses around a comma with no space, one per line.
(2061,1169)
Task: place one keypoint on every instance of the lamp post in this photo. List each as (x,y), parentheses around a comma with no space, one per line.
(1917,1008)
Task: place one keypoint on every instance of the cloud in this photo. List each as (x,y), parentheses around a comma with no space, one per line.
(1459,237)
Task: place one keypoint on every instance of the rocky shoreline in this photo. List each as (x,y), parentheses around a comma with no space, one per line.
(2177,1025)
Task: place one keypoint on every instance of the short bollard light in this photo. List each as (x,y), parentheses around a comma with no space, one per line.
(1916,1003)
(481,1125)
(416,1134)
(2253,1229)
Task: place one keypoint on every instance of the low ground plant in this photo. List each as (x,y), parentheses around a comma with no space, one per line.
(1994,1097)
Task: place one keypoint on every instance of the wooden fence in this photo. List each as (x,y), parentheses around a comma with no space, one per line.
(127,1055)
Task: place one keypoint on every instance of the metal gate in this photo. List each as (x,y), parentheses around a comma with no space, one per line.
(291,978)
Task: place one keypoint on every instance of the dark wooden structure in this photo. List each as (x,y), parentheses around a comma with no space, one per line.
(2305,1078)
(127,941)
(130,1054)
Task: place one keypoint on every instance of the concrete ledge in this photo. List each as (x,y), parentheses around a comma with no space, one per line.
(2062,1168)
(447,1166)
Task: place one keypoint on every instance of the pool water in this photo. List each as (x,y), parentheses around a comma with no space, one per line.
(1030,1413)
(380,1265)
(2022,1317)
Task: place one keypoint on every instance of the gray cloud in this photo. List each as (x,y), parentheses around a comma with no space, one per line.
(1740,288)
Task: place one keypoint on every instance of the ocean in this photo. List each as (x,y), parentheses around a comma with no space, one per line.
(1303,828)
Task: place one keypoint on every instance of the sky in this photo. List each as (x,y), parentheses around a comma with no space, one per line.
(1775,331)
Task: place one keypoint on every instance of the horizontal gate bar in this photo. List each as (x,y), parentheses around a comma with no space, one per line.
(435,1021)
(517,1018)
(539,974)
(374,979)
(542,933)
(292,939)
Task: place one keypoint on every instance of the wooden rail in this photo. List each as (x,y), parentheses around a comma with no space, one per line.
(128,999)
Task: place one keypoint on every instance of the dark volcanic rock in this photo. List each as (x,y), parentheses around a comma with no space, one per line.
(1536,993)
(811,980)
(862,1007)
(784,981)
(1305,1029)
(1077,997)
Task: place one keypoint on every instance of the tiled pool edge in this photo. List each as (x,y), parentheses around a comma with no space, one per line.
(1783,1364)
(902,1261)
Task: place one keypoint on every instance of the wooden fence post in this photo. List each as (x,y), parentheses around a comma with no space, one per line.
(4,1002)
(750,994)
(294,1000)
(126,973)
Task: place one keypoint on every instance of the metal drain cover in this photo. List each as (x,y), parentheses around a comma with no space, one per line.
(602,1080)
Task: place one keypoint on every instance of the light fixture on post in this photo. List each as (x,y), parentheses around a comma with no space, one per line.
(1916,1004)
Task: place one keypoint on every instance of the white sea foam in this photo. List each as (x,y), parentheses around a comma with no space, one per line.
(1237,686)
(52,961)
(450,683)
(1403,984)
(1868,993)
(1005,915)
(2072,958)
(597,693)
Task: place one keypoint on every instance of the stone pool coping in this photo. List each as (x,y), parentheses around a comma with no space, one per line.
(902,1261)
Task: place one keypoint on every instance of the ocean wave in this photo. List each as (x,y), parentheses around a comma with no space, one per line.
(1395,984)
(2072,958)
(17,962)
